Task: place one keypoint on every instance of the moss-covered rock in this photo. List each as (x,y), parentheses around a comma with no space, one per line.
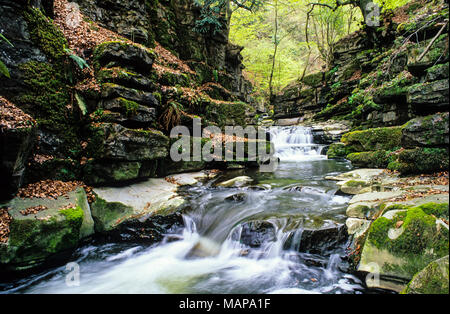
(373,139)
(375,159)
(337,150)
(433,279)
(421,160)
(429,131)
(36,237)
(123,54)
(402,242)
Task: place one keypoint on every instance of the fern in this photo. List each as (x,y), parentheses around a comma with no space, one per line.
(3,69)
(78,60)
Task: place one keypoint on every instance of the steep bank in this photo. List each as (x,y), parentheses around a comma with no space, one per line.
(91,98)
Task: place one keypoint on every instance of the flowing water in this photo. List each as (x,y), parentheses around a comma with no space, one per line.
(211,253)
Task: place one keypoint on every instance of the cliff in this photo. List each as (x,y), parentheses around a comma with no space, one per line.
(106,81)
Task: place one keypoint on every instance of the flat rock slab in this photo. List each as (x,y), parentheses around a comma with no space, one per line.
(363,174)
(156,196)
(375,196)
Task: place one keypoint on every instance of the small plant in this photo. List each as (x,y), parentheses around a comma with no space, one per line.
(78,60)
(172,115)
(3,69)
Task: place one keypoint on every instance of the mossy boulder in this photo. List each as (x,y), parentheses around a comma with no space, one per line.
(337,150)
(124,54)
(110,91)
(376,159)
(429,131)
(373,139)
(433,279)
(421,160)
(36,237)
(404,241)
(354,186)
(123,144)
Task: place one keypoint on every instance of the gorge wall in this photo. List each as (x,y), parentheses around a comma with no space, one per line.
(102,87)
(391,89)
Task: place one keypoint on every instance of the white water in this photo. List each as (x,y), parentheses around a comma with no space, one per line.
(165,269)
(295,143)
(209,256)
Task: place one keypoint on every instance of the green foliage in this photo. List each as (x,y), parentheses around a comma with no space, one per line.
(255,31)
(82,64)
(3,69)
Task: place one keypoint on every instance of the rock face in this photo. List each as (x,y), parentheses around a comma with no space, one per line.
(17,138)
(376,80)
(172,23)
(36,237)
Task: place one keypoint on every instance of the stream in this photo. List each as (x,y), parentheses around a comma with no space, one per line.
(254,239)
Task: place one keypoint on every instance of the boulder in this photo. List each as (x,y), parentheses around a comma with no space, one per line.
(138,58)
(357,227)
(433,279)
(34,238)
(429,131)
(318,241)
(236,182)
(115,205)
(255,233)
(404,241)
(354,186)
(120,143)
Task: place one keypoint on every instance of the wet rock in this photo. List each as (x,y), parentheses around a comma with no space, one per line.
(236,182)
(319,241)
(433,279)
(151,230)
(256,233)
(36,237)
(240,197)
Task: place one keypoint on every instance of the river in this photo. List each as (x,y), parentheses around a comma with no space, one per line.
(249,243)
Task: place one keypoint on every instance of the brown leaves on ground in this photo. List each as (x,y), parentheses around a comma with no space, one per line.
(5,220)
(12,117)
(168,62)
(33,210)
(81,33)
(171,180)
(53,189)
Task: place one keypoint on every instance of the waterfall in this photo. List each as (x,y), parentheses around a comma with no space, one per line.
(295,143)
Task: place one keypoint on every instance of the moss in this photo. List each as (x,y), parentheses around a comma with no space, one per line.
(313,79)
(374,159)
(47,98)
(420,242)
(42,31)
(433,279)
(337,150)
(387,138)
(438,210)
(130,106)
(421,160)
